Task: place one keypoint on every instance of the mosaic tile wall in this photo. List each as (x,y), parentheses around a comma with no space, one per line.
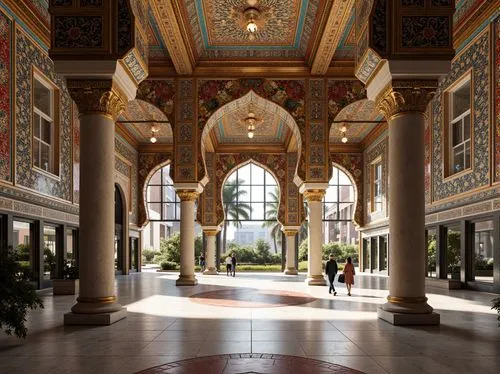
(29,55)
(5,96)
(476,57)
(496,116)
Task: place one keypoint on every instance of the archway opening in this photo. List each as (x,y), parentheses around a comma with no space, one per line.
(120,230)
(161,235)
(251,230)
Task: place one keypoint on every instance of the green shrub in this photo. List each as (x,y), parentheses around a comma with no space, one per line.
(170,249)
(148,254)
(168,265)
(340,251)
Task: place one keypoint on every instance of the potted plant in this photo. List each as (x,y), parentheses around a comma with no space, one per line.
(496,306)
(17,294)
(69,284)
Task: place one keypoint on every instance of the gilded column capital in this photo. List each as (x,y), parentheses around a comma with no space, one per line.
(99,96)
(314,195)
(289,232)
(187,195)
(210,232)
(401,96)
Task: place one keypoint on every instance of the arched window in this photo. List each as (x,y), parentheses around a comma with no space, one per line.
(162,202)
(338,209)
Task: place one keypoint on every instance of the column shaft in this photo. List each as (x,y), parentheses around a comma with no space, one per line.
(210,253)
(407,214)
(314,261)
(186,276)
(96,251)
(290,252)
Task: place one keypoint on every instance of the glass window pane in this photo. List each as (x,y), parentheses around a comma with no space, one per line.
(335,176)
(458,160)
(257,175)
(466,127)
(343,178)
(166,176)
(461,100)
(346,193)
(22,244)
(257,211)
(231,211)
(178,211)
(244,175)
(457,133)
(49,252)
(331,194)
(345,211)
(243,193)
(483,251)
(169,211)
(231,179)
(270,181)
(69,245)
(431,253)
(467,154)
(46,128)
(169,193)
(330,210)
(272,210)
(272,194)
(154,193)
(45,157)
(36,125)
(378,171)
(42,98)
(258,193)
(156,178)
(154,210)
(453,252)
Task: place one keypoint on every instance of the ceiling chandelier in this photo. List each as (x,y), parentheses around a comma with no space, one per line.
(251,121)
(343,131)
(154,129)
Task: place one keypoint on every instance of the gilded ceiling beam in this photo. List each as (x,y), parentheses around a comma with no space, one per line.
(170,30)
(334,27)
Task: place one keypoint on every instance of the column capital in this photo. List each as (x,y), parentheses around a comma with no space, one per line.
(210,230)
(97,96)
(187,195)
(401,96)
(290,230)
(314,195)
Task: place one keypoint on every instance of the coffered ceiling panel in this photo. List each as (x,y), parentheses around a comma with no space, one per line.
(138,110)
(217,28)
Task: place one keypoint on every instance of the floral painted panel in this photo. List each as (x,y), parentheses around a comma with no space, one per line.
(425,32)
(352,163)
(475,57)
(227,163)
(160,93)
(5,96)
(341,93)
(28,55)
(496,116)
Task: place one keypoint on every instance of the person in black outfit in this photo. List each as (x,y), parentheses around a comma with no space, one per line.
(330,270)
(233,264)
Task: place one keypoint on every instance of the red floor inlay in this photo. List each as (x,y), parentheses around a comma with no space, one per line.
(251,298)
(246,363)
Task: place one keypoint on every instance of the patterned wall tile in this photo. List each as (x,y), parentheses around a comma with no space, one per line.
(5,97)
(475,57)
(496,116)
(28,55)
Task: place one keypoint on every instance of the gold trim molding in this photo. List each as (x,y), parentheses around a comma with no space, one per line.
(97,97)
(402,96)
(314,195)
(290,232)
(187,195)
(210,232)
(101,300)
(406,300)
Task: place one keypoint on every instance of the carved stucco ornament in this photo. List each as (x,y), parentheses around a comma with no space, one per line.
(314,195)
(405,96)
(97,97)
(187,195)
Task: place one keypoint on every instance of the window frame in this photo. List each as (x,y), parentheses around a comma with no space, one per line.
(53,118)
(176,202)
(376,206)
(447,128)
(324,202)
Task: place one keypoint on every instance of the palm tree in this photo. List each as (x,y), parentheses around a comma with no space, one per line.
(233,209)
(272,218)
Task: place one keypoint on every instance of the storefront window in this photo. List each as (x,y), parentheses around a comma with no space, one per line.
(24,249)
(49,253)
(431,253)
(453,258)
(483,251)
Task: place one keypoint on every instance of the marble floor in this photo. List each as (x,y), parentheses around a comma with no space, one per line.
(268,313)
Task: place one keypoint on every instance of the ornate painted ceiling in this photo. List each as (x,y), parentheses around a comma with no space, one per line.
(141,131)
(356,132)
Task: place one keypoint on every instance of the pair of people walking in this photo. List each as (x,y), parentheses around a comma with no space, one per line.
(331,270)
(231,265)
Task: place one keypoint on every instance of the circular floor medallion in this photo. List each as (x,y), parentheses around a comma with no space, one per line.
(246,363)
(251,298)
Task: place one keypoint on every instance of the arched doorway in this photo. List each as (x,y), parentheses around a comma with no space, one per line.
(121,232)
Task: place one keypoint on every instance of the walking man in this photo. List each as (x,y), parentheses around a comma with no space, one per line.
(233,264)
(330,270)
(229,260)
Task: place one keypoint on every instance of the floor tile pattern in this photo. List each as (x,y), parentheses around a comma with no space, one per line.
(247,363)
(252,298)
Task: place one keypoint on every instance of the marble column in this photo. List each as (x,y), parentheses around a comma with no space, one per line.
(186,276)
(98,104)
(403,104)
(210,236)
(291,249)
(315,235)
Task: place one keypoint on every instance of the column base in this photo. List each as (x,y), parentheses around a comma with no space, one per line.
(401,319)
(186,280)
(291,271)
(315,280)
(210,271)
(99,319)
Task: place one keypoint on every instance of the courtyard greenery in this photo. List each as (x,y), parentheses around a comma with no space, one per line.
(340,252)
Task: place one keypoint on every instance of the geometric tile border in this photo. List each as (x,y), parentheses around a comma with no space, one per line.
(257,363)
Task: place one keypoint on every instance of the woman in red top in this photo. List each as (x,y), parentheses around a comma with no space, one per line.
(349,275)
